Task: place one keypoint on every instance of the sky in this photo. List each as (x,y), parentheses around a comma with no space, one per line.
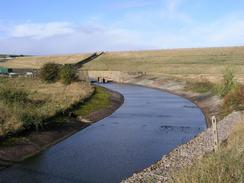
(48,27)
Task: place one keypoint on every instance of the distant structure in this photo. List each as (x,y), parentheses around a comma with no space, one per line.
(89,59)
(5,71)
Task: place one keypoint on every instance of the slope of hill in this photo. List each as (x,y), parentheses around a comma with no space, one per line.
(201,60)
(36,62)
(190,63)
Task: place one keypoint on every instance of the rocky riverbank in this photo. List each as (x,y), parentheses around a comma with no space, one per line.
(31,143)
(186,154)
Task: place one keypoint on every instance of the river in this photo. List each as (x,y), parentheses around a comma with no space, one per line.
(147,126)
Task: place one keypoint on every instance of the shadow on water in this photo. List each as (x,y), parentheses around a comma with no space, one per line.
(148,125)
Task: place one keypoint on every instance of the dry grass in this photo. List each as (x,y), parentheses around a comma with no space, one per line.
(188,63)
(46,100)
(38,61)
(192,63)
(225,166)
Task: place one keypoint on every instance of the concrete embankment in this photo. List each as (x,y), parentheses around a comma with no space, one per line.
(186,154)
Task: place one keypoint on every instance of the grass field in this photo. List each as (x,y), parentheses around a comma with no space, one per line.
(182,60)
(207,62)
(27,100)
(190,63)
(36,62)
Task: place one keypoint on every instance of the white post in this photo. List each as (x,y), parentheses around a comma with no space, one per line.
(215,133)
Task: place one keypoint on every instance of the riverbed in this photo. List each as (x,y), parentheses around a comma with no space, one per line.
(147,126)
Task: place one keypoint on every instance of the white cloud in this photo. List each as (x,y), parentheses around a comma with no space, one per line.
(227,31)
(62,38)
(131,4)
(173,5)
(172,10)
(68,40)
(39,31)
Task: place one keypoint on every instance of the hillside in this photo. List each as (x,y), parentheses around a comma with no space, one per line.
(184,62)
(36,62)
(190,63)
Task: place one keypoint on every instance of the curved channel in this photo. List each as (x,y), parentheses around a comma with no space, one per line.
(148,125)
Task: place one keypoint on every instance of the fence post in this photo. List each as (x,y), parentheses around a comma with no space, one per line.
(215,133)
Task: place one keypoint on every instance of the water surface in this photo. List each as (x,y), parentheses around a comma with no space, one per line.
(148,125)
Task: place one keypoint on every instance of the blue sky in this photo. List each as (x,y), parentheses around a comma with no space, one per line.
(75,26)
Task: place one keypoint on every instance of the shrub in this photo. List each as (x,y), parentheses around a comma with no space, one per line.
(67,74)
(50,72)
(13,95)
(229,82)
(31,119)
(200,87)
(234,100)
(3,116)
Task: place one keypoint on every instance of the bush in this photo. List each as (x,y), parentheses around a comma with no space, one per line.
(67,74)
(31,120)
(50,72)
(234,100)
(229,82)
(3,116)
(13,95)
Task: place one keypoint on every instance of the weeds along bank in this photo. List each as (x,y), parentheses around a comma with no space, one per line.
(226,165)
(27,102)
(229,90)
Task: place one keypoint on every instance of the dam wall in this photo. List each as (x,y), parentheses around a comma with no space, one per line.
(115,76)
